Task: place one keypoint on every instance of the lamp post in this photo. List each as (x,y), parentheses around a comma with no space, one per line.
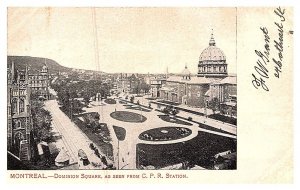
(118,154)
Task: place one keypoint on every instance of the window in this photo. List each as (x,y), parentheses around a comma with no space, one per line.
(21,105)
(14,106)
(15,92)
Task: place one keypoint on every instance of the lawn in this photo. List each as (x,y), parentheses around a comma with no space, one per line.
(165,134)
(199,150)
(138,108)
(128,116)
(110,101)
(223,118)
(120,132)
(169,102)
(173,120)
(203,126)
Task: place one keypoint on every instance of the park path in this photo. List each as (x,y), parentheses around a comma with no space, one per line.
(125,151)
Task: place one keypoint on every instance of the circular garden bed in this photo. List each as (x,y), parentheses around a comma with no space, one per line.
(165,134)
(127,116)
(110,101)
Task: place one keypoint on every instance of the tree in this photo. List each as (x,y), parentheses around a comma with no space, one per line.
(131,99)
(41,123)
(145,87)
(174,111)
(167,110)
(76,107)
(214,104)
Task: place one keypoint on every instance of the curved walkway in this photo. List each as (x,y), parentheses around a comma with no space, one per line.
(125,151)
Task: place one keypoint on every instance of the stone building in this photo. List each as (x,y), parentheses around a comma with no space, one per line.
(19,118)
(128,83)
(39,82)
(212,81)
(156,82)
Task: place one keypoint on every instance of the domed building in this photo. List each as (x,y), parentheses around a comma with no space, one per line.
(186,74)
(212,61)
(211,83)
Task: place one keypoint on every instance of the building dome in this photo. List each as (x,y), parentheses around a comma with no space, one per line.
(212,61)
(185,71)
(212,52)
(186,74)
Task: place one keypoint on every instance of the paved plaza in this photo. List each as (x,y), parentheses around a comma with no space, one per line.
(124,151)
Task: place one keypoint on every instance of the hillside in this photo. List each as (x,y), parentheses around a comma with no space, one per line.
(36,63)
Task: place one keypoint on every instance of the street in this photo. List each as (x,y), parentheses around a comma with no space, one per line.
(73,138)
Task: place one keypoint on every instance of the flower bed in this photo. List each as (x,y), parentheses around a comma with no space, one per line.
(165,134)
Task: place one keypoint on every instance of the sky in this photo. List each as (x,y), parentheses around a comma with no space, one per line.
(133,40)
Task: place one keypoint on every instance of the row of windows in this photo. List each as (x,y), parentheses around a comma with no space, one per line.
(39,77)
(212,69)
(39,88)
(206,57)
(20,92)
(39,81)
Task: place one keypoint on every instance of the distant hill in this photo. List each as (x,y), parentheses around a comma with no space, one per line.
(36,64)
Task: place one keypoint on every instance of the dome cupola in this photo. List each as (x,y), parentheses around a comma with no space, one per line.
(186,74)
(212,61)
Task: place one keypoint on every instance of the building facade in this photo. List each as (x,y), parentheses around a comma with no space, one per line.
(212,82)
(128,83)
(19,113)
(39,82)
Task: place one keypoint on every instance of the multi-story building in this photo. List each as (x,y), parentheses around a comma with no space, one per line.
(155,82)
(19,119)
(39,82)
(128,83)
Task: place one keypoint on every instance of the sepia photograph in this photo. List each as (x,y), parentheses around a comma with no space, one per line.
(122,88)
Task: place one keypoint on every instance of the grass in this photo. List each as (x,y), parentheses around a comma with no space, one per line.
(128,116)
(132,103)
(207,127)
(110,101)
(173,120)
(169,102)
(120,132)
(197,151)
(165,133)
(203,126)
(138,108)
(223,118)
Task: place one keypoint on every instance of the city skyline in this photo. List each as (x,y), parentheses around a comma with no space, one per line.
(50,33)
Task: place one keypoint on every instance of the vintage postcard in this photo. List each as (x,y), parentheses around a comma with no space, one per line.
(149,94)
